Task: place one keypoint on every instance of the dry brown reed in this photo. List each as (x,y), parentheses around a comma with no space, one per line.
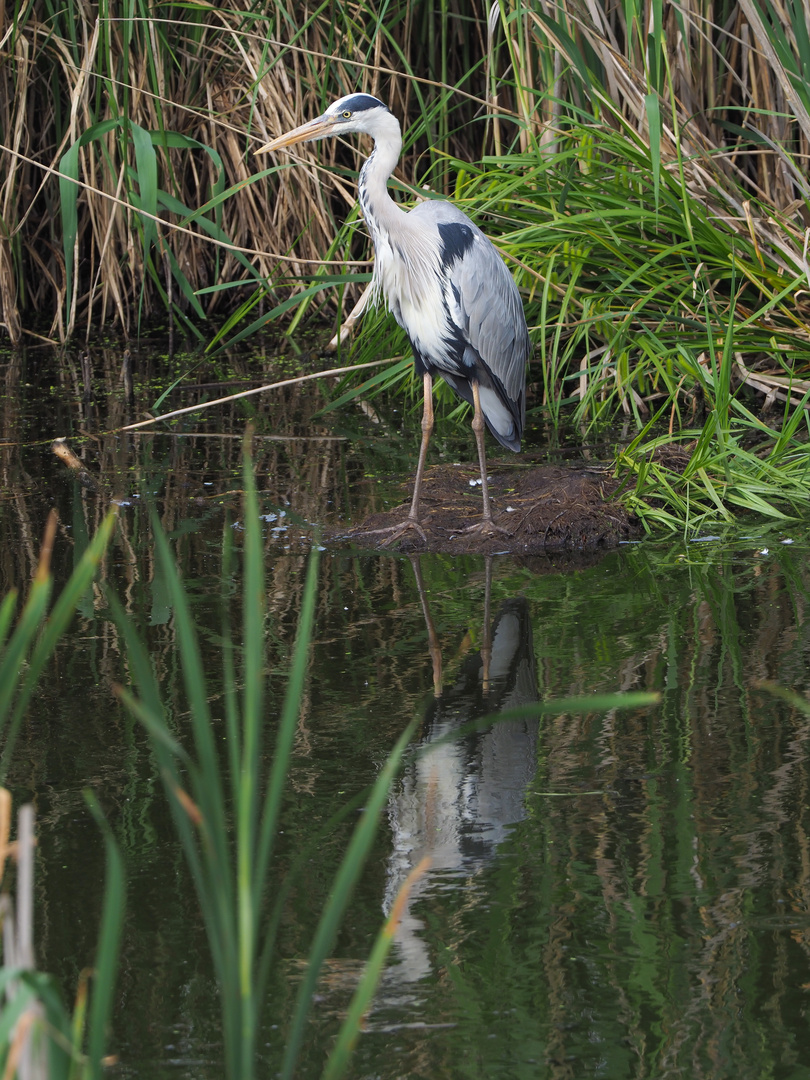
(222,78)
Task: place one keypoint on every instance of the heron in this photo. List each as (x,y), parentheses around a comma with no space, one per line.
(447,287)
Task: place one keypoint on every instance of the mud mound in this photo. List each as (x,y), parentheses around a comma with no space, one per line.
(542,508)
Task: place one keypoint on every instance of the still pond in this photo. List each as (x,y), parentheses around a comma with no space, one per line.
(610,894)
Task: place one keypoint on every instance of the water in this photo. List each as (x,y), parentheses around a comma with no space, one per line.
(619,894)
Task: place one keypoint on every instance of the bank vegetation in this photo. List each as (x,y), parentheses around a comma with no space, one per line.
(642,166)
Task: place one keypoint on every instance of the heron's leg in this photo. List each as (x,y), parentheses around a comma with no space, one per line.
(427,430)
(412,520)
(486,524)
(486,638)
(433,637)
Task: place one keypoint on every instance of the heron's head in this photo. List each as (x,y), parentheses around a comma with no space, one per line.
(355,112)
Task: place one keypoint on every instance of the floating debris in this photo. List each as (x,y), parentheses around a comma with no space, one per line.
(65,454)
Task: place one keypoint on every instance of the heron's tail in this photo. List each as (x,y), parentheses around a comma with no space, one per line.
(504,417)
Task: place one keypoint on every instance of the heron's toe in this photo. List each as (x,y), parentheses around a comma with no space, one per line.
(487,527)
(397,531)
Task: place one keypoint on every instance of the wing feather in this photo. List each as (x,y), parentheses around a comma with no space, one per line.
(448,287)
(483,302)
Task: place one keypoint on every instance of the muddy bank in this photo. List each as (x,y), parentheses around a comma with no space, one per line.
(541,508)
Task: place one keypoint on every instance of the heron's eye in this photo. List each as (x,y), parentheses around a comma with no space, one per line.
(346,114)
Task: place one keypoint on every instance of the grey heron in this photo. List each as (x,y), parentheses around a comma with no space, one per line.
(446,286)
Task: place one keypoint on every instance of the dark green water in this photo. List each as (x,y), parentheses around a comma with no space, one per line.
(610,895)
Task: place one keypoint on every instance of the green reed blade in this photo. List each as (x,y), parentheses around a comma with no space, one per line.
(7,616)
(384,380)
(146,173)
(195,685)
(796,701)
(260,323)
(296,680)
(653,111)
(68,199)
(12,663)
(109,940)
(216,891)
(194,837)
(292,879)
(339,897)
(246,785)
(229,676)
(338,1059)
(18,681)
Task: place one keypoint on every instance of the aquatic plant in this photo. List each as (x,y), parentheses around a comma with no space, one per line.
(25,651)
(35,1026)
(226,813)
(226,809)
(149,119)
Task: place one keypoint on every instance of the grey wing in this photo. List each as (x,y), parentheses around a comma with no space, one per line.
(483,304)
(491,312)
(480,293)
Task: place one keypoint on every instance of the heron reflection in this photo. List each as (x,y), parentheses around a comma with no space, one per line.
(458,799)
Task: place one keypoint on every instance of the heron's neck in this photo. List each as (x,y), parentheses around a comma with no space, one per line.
(380,211)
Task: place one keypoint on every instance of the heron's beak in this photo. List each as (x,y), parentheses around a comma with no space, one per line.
(318,128)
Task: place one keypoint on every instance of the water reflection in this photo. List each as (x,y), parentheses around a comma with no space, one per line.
(190,467)
(459,797)
(612,895)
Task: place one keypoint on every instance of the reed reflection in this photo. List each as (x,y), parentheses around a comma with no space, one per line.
(459,797)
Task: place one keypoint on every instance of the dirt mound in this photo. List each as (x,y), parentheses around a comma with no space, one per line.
(541,508)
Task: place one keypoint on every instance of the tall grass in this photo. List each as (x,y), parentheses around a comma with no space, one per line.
(226,805)
(38,1035)
(226,809)
(25,649)
(149,114)
(642,168)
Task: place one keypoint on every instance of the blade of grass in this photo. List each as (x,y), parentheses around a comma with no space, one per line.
(339,897)
(338,1059)
(18,681)
(109,940)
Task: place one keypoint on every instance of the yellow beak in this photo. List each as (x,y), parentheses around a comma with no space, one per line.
(318,128)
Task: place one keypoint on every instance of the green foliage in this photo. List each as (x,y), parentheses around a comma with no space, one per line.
(24,653)
(226,808)
(109,937)
(32,1006)
(648,193)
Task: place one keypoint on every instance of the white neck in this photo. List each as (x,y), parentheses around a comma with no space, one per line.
(377,206)
(403,255)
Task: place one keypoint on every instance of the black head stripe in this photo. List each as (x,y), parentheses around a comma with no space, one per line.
(362,102)
(457,239)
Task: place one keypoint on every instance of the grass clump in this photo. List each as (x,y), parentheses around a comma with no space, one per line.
(226,805)
(39,1036)
(226,809)
(643,170)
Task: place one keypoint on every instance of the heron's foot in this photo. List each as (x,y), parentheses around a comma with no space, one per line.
(397,531)
(487,527)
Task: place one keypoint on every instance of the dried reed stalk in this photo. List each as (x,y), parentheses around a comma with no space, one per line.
(207,86)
